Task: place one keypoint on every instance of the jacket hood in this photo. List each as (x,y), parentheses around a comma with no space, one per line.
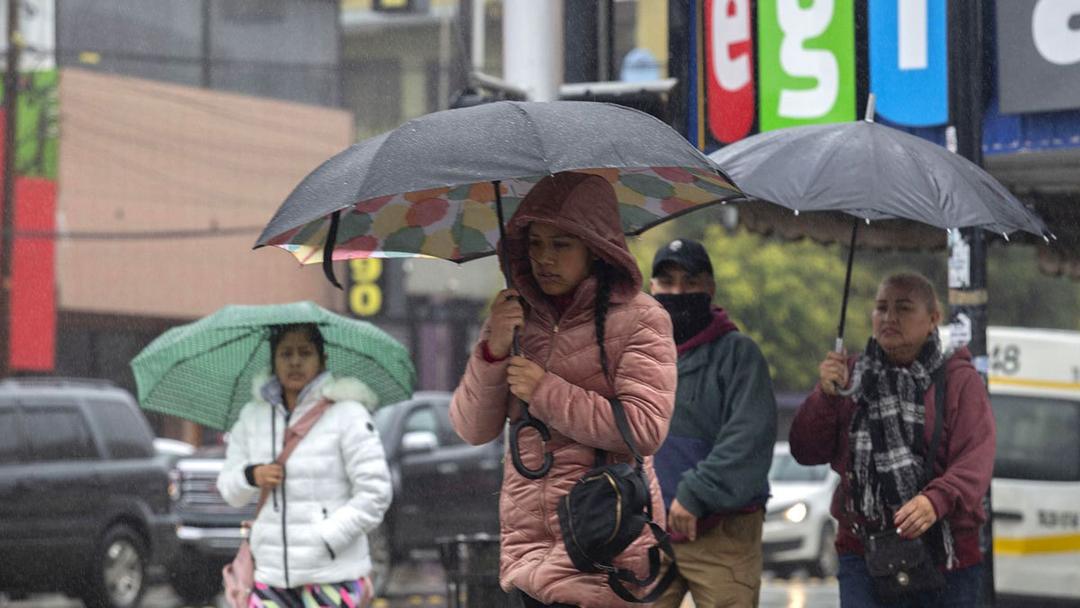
(580,204)
(326,385)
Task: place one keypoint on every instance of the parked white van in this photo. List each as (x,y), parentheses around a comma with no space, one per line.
(1035,394)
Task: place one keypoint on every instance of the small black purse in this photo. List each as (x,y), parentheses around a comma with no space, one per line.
(605,511)
(901,567)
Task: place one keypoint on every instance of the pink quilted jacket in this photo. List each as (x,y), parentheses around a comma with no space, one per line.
(571,398)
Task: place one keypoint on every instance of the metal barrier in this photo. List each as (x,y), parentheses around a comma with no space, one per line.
(472,571)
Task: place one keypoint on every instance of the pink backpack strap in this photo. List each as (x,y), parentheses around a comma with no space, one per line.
(293,434)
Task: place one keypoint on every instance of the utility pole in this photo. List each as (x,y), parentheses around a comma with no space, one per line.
(967,247)
(7,234)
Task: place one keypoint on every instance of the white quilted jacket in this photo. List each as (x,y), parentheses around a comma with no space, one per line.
(336,489)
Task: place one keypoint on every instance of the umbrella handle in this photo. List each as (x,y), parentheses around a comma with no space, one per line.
(856,379)
(528,421)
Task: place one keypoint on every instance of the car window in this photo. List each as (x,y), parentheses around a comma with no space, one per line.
(786,468)
(126,433)
(383,417)
(447,435)
(1037,438)
(10,444)
(422,419)
(57,433)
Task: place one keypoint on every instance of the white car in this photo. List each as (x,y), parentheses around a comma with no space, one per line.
(799,531)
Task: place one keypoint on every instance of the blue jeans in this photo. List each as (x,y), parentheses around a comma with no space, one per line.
(856,589)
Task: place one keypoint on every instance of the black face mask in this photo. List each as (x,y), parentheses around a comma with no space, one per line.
(690,313)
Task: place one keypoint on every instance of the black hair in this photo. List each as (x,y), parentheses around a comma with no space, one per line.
(309,330)
(605,278)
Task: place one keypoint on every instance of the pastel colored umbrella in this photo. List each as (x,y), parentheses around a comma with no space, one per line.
(203,371)
(436,185)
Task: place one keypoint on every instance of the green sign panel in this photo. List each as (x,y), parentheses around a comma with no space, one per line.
(37,135)
(807,62)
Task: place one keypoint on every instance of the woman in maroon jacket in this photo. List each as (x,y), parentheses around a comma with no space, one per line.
(877,441)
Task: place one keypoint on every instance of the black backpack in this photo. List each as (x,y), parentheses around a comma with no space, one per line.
(605,511)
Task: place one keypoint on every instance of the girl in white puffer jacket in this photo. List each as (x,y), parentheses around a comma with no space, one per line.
(310,539)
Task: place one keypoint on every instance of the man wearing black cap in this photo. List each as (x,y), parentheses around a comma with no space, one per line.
(713,467)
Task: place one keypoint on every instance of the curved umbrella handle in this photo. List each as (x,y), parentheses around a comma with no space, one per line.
(856,381)
(528,421)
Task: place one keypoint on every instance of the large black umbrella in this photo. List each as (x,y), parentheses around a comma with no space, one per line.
(873,175)
(442,184)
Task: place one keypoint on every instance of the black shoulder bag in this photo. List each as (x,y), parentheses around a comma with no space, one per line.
(901,567)
(606,511)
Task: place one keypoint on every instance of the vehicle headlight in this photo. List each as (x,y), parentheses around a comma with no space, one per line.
(174,485)
(796,513)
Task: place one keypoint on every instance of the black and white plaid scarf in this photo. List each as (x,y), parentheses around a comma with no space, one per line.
(888,444)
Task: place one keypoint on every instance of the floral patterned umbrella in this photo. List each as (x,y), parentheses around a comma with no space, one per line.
(434,186)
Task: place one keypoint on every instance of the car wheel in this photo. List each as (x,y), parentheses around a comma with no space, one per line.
(382,559)
(827,562)
(193,579)
(118,574)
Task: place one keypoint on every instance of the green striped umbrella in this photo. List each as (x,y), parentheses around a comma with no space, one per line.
(203,371)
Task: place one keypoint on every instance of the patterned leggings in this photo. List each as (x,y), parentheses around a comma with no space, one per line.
(350,594)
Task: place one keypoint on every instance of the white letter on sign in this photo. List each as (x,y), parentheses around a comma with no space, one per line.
(733,73)
(800,25)
(1055,40)
(911,25)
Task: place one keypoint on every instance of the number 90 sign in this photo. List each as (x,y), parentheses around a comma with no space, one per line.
(365,294)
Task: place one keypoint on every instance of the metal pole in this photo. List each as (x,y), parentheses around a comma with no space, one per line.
(479,34)
(7,233)
(445,50)
(581,36)
(207,49)
(533,46)
(967,247)
(847,286)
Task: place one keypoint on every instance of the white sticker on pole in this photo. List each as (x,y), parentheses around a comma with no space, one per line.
(959,261)
(960,331)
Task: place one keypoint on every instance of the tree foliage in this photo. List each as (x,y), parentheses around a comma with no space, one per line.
(786,295)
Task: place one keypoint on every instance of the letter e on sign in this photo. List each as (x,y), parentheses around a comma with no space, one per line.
(729,48)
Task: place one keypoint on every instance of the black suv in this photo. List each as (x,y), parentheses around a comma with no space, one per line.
(84,500)
(442,487)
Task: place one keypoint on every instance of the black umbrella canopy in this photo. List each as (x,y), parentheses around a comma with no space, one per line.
(873,172)
(480,144)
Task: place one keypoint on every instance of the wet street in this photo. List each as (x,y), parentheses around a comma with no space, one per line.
(421,584)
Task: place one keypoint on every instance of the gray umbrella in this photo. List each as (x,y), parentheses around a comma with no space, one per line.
(870,172)
(426,188)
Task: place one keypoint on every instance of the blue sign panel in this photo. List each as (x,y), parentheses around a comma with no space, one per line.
(909,61)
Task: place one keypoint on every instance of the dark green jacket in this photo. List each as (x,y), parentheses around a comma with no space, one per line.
(719,448)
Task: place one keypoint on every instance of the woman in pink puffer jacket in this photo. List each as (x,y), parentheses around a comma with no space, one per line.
(578,287)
